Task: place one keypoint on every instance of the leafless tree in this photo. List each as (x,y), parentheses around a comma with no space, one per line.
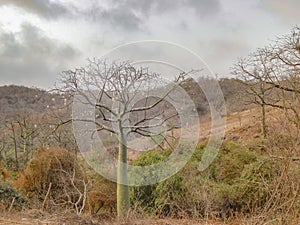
(13,136)
(285,57)
(271,76)
(57,127)
(253,73)
(113,89)
(22,131)
(2,144)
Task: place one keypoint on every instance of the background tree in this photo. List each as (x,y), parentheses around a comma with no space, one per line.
(11,126)
(119,86)
(253,73)
(271,76)
(285,58)
(2,144)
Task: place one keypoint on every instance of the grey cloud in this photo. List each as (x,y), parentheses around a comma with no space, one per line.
(205,7)
(117,17)
(31,44)
(43,8)
(145,7)
(130,14)
(31,56)
(234,45)
(127,14)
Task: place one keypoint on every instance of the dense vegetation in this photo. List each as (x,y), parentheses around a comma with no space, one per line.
(240,183)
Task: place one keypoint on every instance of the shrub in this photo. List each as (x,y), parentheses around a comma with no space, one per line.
(172,197)
(226,199)
(102,195)
(230,162)
(144,196)
(10,197)
(252,185)
(57,168)
(234,183)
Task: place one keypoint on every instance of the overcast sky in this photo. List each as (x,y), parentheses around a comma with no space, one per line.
(40,38)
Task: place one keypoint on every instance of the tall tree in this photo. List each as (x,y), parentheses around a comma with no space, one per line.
(124,107)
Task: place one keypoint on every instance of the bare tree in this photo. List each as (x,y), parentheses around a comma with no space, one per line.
(12,127)
(28,131)
(285,57)
(22,131)
(2,144)
(271,76)
(118,85)
(253,73)
(56,127)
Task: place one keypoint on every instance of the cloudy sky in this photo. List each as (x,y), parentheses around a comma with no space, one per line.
(41,38)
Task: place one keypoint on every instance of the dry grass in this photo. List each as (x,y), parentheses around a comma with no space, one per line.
(36,217)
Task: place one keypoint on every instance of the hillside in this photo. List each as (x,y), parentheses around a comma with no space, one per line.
(18,99)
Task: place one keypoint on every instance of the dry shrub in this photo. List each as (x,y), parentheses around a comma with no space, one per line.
(5,175)
(283,205)
(58,168)
(101,197)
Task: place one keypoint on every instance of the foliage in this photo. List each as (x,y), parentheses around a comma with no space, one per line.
(230,162)
(172,196)
(10,197)
(145,196)
(234,183)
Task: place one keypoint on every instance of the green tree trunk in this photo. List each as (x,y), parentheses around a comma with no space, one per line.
(263,109)
(123,201)
(263,121)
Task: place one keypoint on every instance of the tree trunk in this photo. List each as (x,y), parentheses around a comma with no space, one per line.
(25,146)
(263,109)
(263,121)
(123,201)
(15,147)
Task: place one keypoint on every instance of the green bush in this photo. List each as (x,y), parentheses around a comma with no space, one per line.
(145,196)
(226,199)
(9,196)
(172,197)
(234,183)
(255,181)
(230,162)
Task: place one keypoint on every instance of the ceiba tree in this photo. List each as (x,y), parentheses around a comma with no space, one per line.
(120,93)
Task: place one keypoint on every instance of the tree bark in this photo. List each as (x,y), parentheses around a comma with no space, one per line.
(123,201)
(263,109)
(15,146)
(263,121)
